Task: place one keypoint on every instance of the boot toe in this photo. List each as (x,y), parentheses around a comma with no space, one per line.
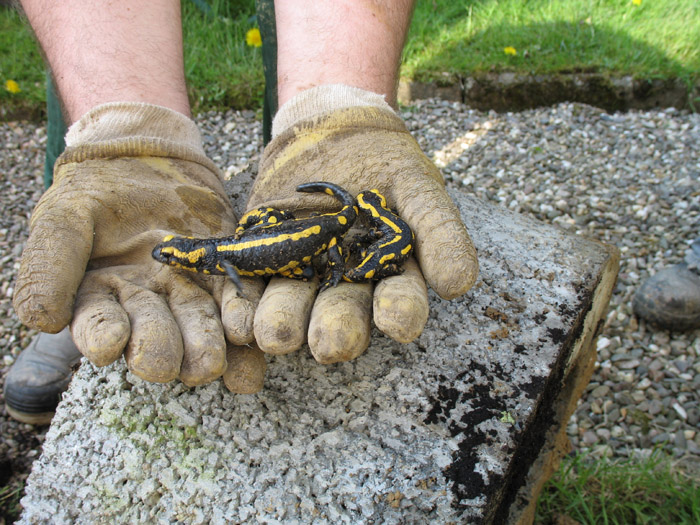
(42,372)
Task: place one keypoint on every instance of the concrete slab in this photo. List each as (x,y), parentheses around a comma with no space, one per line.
(449,428)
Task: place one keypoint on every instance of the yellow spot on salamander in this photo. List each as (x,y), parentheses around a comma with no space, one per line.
(406,249)
(369,274)
(342,220)
(387,257)
(168,238)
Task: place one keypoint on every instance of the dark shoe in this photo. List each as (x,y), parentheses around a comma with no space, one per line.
(670,299)
(40,375)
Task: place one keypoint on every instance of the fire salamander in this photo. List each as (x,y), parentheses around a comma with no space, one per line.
(393,240)
(269,242)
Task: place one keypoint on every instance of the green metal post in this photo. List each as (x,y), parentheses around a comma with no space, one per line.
(55,130)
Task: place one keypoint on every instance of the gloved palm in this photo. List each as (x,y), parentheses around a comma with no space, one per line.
(359,148)
(88,257)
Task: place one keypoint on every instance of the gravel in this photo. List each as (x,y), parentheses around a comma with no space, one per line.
(628,179)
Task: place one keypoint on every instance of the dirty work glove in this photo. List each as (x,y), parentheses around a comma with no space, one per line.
(132,174)
(354,139)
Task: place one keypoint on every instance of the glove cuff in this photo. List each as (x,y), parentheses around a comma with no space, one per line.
(119,120)
(122,129)
(323,99)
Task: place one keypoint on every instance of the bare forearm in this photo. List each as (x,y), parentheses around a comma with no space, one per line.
(102,51)
(352,42)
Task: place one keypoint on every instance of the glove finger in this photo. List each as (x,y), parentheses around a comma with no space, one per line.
(197,316)
(155,349)
(100,326)
(245,372)
(400,304)
(282,316)
(53,264)
(443,247)
(340,326)
(238,313)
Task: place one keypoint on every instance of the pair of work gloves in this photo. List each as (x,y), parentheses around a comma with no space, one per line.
(133,173)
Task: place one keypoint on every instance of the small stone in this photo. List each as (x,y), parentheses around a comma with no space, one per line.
(617,431)
(661,438)
(637,397)
(589,438)
(644,384)
(603,433)
(600,391)
(656,365)
(625,365)
(679,410)
(655,407)
(603,342)
(679,441)
(625,398)
(681,365)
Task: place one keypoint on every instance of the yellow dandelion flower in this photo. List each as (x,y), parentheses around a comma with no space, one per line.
(637,2)
(12,86)
(510,50)
(253,38)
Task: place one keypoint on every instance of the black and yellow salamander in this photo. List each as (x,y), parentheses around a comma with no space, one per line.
(269,242)
(393,240)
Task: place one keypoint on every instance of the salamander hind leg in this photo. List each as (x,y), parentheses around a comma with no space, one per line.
(262,217)
(388,270)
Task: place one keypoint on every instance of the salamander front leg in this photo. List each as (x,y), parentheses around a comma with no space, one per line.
(233,275)
(336,264)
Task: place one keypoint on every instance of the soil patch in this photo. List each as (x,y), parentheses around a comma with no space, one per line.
(517,92)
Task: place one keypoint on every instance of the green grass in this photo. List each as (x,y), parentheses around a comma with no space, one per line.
(222,71)
(653,491)
(20,60)
(656,39)
(9,502)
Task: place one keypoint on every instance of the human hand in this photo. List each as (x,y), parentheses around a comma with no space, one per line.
(353,139)
(132,174)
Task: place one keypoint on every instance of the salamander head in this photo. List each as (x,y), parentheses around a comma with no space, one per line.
(371,198)
(181,252)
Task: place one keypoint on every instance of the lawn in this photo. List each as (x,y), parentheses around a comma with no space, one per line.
(643,38)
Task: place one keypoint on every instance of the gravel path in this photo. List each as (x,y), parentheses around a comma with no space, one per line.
(632,180)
